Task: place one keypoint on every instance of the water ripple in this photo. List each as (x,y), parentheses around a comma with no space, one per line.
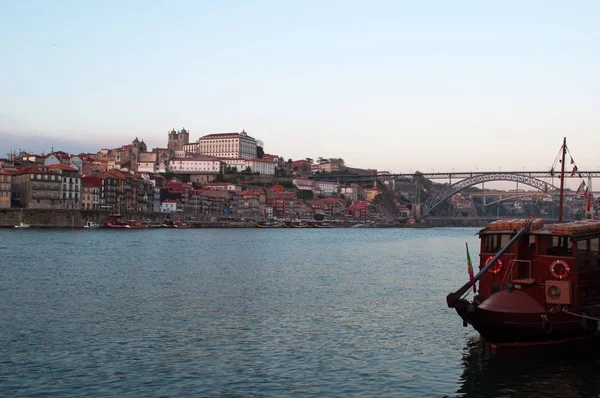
(358,312)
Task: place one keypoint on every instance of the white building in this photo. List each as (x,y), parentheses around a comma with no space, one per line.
(239,163)
(304,183)
(199,164)
(327,188)
(170,206)
(147,162)
(228,145)
(262,166)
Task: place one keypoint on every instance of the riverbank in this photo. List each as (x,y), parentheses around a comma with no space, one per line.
(66,218)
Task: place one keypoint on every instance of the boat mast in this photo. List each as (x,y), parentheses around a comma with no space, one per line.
(562,180)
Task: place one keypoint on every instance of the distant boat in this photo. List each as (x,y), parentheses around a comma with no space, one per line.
(23,225)
(267,224)
(322,224)
(175,224)
(134,224)
(114,221)
(180,224)
(91,225)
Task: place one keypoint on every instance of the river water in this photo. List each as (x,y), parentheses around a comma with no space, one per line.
(253,312)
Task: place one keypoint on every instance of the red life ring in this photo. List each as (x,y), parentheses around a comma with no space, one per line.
(560,270)
(496,268)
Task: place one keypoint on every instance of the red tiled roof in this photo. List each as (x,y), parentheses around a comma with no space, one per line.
(223,135)
(62,166)
(252,192)
(91,181)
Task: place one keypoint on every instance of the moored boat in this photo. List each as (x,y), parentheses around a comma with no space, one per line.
(23,225)
(181,224)
(91,225)
(538,284)
(115,221)
(175,224)
(135,224)
(267,224)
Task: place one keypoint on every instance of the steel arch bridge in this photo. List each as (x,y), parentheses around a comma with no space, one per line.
(440,196)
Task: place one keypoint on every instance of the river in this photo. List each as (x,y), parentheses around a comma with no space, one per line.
(253,312)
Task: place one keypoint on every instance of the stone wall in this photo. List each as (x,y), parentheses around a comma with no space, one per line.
(66,218)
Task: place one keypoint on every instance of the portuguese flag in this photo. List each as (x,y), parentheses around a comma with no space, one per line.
(470,268)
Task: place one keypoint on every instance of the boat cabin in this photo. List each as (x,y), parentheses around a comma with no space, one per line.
(557,264)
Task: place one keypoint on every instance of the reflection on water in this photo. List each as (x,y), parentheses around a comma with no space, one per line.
(569,372)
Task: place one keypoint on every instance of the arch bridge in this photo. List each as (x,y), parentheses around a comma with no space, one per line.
(449,190)
(466,179)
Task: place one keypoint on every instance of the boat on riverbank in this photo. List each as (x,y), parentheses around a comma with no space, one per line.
(268,224)
(22,225)
(135,224)
(115,221)
(175,224)
(91,225)
(538,284)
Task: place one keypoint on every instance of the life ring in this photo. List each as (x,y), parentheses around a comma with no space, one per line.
(496,268)
(560,270)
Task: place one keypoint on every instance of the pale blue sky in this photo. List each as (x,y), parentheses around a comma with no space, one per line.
(397,85)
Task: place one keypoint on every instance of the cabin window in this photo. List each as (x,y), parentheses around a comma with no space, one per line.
(493,243)
(559,246)
(594,245)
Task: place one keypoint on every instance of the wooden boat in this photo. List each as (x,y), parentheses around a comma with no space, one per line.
(175,224)
(181,224)
(134,224)
(115,221)
(537,283)
(267,224)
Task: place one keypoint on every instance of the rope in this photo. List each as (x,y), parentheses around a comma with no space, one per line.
(581,315)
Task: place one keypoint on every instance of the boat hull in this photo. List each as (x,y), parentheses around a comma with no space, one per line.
(117,226)
(511,327)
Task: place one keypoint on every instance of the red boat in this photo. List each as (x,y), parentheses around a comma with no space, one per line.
(538,284)
(115,221)
(175,224)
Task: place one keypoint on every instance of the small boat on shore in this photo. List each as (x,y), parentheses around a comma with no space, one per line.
(267,224)
(91,225)
(539,284)
(22,225)
(175,224)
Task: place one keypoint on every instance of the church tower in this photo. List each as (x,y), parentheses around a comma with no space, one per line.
(134,155)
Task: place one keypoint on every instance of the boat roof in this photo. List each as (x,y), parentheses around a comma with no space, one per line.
(575,228)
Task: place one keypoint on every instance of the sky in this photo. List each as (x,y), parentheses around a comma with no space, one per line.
(393,85)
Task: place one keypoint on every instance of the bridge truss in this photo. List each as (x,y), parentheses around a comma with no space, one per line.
(440,196)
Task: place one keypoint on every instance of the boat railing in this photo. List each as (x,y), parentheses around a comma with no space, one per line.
(509,278)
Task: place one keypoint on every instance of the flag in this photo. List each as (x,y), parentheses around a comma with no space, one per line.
(552,172)
(572,160)
(581,186)
(574,171)
(470,268)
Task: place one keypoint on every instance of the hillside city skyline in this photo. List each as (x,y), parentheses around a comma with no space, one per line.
(391,85)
